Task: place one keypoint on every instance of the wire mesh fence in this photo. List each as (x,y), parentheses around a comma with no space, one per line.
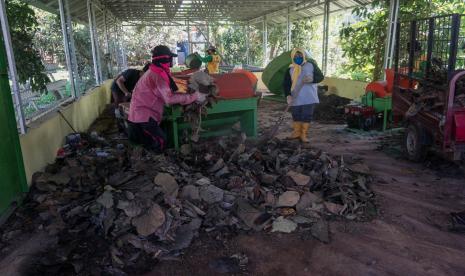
(437,42)
(65,58)
(48,44)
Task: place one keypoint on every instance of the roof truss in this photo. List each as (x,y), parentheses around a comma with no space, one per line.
(175,11)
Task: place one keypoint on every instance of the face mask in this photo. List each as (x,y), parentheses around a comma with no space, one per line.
(166,66)
(298,60)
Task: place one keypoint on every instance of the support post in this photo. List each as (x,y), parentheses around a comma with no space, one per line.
(391,34)
(107,40)
(189,37)
(90,15)
(247,44)
(122,47)
(265,42)
(72,50)
(288,29)
(12,67)
(208,34)
(324,62)
(97,45)
(66,29)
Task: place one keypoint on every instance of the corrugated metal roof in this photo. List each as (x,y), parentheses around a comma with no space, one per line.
(159,11)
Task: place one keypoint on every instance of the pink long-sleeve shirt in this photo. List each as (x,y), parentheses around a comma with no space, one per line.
(151,94)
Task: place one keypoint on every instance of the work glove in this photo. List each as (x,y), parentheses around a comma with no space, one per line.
(201,98)
(289,100)
(308,79)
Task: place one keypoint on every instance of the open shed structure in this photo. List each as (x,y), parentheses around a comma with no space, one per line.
(104,19)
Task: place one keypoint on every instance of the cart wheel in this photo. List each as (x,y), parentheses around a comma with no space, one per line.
(413,148)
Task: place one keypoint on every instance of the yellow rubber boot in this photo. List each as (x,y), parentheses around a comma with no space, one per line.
(304,132)
(297,126)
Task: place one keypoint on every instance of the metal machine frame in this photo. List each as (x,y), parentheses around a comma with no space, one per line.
(423,46)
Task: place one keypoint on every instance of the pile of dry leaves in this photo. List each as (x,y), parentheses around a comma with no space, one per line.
(118,210)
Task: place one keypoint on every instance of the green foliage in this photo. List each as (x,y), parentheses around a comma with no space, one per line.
(139,40)
(363,42)
(23,26)
(48,38)
(276,40)
(83,46)
(302,33)
(255,46)
(230,42)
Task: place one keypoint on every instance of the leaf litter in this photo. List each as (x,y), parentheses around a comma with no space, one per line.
(122,212)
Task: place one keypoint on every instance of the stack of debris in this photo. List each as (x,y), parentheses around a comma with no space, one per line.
(117,210)
(204,83)
(330,109)
(431,96)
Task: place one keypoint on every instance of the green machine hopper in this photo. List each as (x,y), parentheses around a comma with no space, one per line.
(193,61)
(273,75)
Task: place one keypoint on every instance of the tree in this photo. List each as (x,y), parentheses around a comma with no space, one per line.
(139,40)
(255,46)
(303,32)
(363,42)
(276,40)
(48,38)
(23,26)
(230,41)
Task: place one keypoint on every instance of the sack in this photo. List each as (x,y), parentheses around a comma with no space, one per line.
(317,74)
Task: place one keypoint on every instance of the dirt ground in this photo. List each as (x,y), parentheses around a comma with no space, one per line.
(409,237)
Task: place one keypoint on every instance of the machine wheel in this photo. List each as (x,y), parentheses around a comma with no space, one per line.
(413,146)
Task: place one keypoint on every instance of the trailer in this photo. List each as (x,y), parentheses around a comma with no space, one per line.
(429,86)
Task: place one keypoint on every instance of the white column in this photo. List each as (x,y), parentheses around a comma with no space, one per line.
(391,34)
(189,37)
(247,44)
(288,29)
(72,49)
(97,46)
(265,42)
(324,65)
(67,32)
(93,41)
(107,39)
(123,47)
(12,66)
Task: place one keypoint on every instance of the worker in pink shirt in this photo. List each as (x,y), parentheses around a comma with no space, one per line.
(153,91)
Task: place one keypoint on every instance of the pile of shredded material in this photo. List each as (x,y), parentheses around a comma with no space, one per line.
(431,95)
(330,109)
(118,210)
(204,83)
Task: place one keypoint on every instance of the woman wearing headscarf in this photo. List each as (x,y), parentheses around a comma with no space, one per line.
(301,92)
(153,91)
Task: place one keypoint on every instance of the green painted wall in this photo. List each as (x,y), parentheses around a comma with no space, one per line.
(12,178)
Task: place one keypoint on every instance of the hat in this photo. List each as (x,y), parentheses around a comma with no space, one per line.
(211,48)
(162,50)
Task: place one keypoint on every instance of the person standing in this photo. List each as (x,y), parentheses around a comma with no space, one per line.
(302,93)
(212,59)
